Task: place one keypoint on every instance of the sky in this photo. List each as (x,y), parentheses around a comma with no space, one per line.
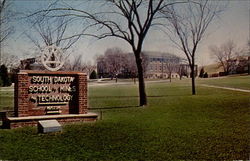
(233,24)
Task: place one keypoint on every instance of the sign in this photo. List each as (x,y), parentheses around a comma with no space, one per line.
(45,93)
(54,92)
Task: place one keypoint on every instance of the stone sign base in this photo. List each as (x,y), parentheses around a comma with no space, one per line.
(14,122)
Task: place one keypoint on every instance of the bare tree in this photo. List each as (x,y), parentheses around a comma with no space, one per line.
(10,61)
(46,31)
(115,59)
(180,70)
(5,16)
(145,62)
(248,53)
(188,24)
(171,68)
(225,55)
(129,20)
(101,66)
(131,67)
(88,68)
(77,64)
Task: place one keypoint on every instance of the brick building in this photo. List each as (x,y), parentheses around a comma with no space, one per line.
(156,65)
(159,64)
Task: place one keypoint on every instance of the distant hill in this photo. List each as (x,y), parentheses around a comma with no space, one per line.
(212,68)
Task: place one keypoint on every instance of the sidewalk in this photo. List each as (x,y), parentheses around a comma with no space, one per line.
(228,88)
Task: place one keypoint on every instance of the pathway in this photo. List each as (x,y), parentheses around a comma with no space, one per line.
(228,88)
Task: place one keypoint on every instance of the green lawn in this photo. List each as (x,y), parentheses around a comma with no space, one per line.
(242,82)
(6,98)
(213,125)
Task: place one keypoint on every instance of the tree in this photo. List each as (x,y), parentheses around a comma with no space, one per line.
(131,66)
(171,65)
(171,68)
(10,61)
(201,75)
(6,15)
(225,55)
(93,75)
(247,51)
(180,70)
(128,20)
(88,68)
(205,75)
(77,64)
(188,23)
(4,76)
(101,66)
(115,61)
(248,57)
(47,31)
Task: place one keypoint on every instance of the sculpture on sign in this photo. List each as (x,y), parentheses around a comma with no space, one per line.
(52,58)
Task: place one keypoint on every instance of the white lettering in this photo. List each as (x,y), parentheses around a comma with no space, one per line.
(40,89)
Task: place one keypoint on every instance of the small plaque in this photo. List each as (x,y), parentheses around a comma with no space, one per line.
(53,110)
(47,126)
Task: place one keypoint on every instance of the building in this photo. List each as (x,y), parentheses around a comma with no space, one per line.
(237,65)
(160,65)
(243,65)
(31,64)
(155,64)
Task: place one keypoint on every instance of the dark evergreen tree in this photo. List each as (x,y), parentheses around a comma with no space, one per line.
(201,75)
(4,76)
(205,75)
(93,75)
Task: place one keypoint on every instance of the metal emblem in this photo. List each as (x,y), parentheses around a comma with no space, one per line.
(52,58)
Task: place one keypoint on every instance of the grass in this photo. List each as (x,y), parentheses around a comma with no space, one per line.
(213,125)
(241,82)
(6,98)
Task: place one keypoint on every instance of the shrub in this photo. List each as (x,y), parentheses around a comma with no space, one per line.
(215,75)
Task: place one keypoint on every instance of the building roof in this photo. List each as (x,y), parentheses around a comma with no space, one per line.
(159,54)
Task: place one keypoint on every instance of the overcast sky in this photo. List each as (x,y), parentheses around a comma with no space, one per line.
(233,24)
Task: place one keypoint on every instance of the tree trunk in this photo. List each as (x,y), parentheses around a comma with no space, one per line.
(193,78)
(142,92)
(248,65)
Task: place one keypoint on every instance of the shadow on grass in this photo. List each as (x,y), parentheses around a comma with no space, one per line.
(113,97)
(109,108)
(93,97)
